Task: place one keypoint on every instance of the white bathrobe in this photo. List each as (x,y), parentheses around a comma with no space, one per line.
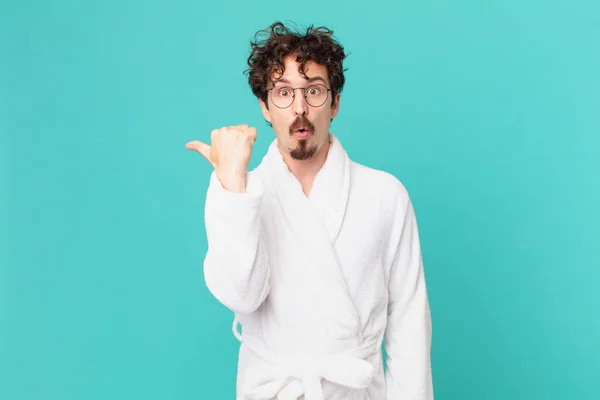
(318,283)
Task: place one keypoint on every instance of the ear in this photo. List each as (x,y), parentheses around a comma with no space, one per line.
(336,106)
(265,111)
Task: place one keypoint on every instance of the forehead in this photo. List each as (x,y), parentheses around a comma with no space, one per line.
(292,74)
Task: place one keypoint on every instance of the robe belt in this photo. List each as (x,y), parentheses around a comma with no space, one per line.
(290,380)
(285,378)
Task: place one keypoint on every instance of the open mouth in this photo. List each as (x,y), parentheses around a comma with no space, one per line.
(302,133)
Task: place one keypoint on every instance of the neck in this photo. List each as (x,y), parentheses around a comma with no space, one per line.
(306,170)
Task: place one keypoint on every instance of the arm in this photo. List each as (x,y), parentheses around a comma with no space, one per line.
(408,333)
(235,267)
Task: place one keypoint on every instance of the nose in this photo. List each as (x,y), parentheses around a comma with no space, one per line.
(300,106)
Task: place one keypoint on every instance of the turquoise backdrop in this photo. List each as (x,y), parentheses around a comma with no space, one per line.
(489,112)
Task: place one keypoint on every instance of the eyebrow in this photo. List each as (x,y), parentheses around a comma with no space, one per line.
(314,78)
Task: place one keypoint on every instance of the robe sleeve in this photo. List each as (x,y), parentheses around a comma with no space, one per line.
(408,333)
(235,267)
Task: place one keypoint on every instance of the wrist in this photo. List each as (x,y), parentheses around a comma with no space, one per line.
(233,182)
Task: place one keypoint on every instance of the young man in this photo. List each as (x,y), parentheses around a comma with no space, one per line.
(317,256)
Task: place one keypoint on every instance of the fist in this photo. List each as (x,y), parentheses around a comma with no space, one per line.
(229,153)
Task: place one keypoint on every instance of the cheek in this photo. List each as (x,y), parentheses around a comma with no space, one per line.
(281,124)
(324,117)
(278,117)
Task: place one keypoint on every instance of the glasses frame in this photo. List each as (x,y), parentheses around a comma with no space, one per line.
(303,92)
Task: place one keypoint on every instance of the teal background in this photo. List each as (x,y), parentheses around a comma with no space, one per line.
(489,112)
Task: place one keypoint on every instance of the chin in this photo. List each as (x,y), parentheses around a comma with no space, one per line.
(305,149)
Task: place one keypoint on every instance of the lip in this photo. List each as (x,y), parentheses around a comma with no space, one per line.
(302,135)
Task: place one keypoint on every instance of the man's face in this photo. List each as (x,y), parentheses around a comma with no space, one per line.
(289,122)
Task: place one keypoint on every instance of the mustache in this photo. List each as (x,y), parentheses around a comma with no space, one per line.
(301,122)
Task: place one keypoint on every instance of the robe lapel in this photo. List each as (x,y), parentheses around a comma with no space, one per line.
(315,236)
(330,190)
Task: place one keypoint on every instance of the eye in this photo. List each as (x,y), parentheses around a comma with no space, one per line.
(283,92)
(314,91)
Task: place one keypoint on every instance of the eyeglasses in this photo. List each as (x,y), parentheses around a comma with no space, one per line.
(315,95)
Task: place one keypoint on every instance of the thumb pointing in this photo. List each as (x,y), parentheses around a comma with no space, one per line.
(201,148)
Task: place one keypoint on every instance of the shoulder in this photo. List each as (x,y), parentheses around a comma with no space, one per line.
(380,184)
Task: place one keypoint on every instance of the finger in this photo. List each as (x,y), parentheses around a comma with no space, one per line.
(243,126)
(199,147)
(252,133)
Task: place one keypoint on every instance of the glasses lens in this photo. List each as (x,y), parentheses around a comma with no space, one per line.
(316,95)
(282,96)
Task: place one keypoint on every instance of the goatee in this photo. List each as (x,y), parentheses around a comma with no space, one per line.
(303,151)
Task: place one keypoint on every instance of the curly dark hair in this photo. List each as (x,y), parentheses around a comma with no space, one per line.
(316,44)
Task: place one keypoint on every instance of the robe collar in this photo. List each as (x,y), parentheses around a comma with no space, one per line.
(330,189)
